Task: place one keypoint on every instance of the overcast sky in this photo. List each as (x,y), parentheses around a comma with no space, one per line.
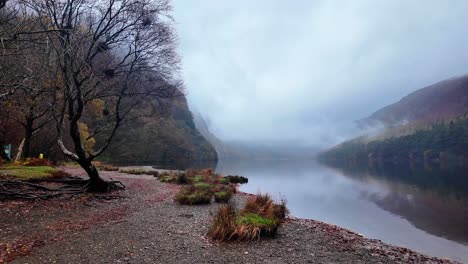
(303,70)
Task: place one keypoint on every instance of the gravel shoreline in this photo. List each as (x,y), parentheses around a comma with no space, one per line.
(146,226)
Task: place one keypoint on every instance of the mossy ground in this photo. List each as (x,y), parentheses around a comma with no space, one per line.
(27,172)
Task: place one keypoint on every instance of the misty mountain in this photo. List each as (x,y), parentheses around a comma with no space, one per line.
(428,126)
(244,150)
(443,100)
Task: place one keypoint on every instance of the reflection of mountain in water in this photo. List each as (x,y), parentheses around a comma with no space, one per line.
(435,201)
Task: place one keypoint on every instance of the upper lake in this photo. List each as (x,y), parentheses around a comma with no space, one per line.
(419,208)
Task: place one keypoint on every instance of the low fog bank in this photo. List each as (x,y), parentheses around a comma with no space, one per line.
(301,72)
(303,143)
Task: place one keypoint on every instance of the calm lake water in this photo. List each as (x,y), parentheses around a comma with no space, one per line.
(422,209)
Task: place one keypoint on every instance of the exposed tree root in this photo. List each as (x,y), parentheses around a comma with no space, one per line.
(71,185)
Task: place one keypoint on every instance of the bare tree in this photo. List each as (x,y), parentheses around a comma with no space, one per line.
(24,69)
(119,54)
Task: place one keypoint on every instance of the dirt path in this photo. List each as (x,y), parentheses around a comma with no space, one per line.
(145,226)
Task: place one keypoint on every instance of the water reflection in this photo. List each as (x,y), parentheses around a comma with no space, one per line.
(426,210)
(431,199)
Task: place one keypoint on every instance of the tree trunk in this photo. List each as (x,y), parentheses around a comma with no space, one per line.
(96,183)
(20,151)
(28,131)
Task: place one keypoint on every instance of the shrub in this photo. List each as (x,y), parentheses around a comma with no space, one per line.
(190,195)
(237,179)
(222,197)
(38,162)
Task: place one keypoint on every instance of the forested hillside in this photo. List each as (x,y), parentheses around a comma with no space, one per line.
(173,137)
(444,143)
(92,85)
(429,125)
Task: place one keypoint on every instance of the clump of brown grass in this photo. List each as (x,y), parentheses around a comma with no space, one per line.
(141,172)
(108,168)
(222,196)
(261,217)
(37,162)
(168,177)
(191,195)
(224,223)
(202,184)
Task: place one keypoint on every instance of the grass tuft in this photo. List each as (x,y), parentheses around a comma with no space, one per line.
(140,172)
(34,162)
(198,178)
(260,217)
(108,168)
(224,223)
(203,186)
(222,197)
(189,195)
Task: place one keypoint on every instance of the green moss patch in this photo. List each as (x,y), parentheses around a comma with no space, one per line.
(28,172)
(256,220)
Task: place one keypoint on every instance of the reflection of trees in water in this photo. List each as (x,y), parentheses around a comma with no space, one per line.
(446,182)
(432,200)
(429,212)
(275,168)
